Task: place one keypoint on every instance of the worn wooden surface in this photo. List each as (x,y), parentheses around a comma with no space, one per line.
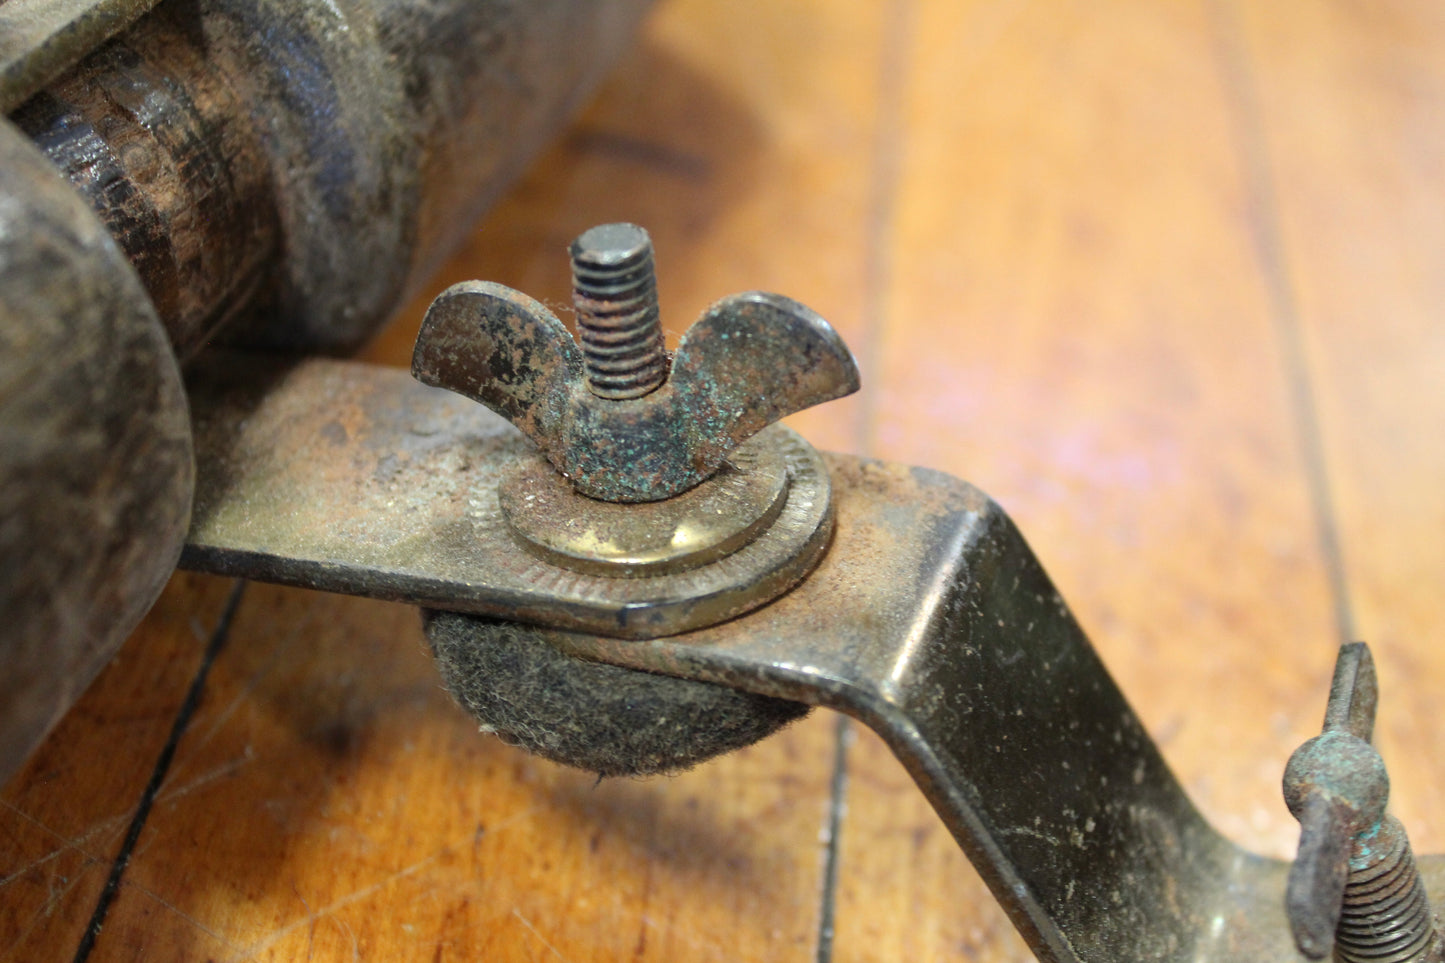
(1166,279)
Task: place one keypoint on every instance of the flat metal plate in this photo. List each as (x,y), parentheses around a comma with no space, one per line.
(356,479)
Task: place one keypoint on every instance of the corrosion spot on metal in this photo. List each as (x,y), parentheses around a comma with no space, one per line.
(610,415)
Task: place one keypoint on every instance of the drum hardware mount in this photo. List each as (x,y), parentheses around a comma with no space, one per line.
(901,596)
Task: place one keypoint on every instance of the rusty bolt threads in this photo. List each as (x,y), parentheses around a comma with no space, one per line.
(614,289)
(1354,885)
(1386,915)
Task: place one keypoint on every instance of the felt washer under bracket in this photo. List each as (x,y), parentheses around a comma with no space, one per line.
(601,718)
(746,535)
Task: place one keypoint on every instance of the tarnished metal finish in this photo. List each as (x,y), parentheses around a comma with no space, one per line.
(41,39)
(355,479)
(928,618)
(1386,916)
(343,146)
(750,360)
(95,478)
(1354,886)
(153,134)
(614,289)
(1337,787)
(932,622)
(703,524)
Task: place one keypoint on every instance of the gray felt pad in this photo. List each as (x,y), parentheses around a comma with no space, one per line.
(605,719)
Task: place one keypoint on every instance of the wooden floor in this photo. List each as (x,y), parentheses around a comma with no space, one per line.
(1165,278)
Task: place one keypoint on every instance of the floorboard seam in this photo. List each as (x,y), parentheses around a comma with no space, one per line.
(158,774)
(884,176)
(837,807)
(1263,218)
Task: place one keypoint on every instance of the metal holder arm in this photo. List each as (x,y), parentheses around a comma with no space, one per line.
(932,622)
(929,620)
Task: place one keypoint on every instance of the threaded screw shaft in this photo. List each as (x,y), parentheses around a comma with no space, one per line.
(1354,886)
(1386,916)
(614,290)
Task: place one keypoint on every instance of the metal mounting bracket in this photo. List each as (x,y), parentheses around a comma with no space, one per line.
(928,619)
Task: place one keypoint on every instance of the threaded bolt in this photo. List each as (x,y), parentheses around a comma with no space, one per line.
(1385,916)
(1354,886)
(614,289)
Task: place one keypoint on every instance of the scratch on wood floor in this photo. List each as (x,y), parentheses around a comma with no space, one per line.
(677,931)
(311,934)
(68,843)
(325,911)
(528,924)
(169,795)
(495,828)
(33,865)
(51,902)
(150,894)
(348,931)
(218,719)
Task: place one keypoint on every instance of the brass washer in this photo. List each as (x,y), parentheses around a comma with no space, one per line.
(708,522)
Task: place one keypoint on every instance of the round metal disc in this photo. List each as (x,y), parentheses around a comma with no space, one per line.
(703,524)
